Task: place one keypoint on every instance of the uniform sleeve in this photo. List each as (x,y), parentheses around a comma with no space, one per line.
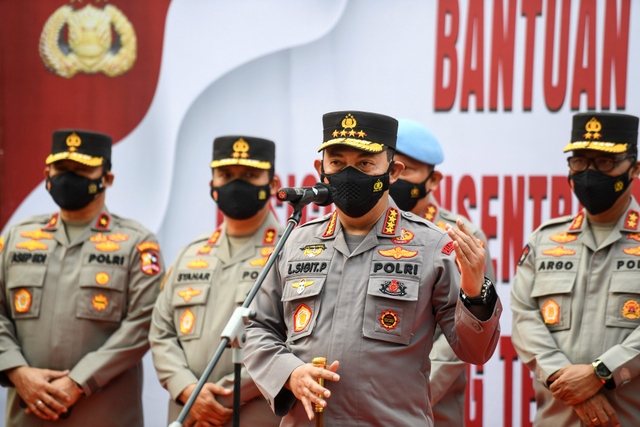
(446,367)
(169,359)
(126,346)
(10,351)
(266,355)
(248,389)
(531,338)
(489,272)
(472,340)
(623,360)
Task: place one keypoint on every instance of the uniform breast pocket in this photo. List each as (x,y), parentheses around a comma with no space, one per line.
(553,293)
(189,306)
(390,309)
(24,288)
(301,300)
(623,306)
(102,295)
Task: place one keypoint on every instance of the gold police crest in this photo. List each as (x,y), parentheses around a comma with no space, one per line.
(90,47)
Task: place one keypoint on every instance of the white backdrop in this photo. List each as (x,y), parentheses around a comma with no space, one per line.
(272,68)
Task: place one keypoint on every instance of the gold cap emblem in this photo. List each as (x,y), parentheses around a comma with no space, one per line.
(240,149)
(349,122)
(73,142)
(592,127)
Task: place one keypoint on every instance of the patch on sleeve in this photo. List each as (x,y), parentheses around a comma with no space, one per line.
(150,263)
(301,318)
(523,256)
(148,246)
(448,248)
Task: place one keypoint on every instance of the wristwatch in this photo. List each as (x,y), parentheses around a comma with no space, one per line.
(487,295)
(604,374)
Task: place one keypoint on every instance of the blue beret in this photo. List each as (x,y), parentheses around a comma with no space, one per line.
(415,140)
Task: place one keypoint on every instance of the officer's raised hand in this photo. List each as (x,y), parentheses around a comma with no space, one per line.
(304,386)
(470,254)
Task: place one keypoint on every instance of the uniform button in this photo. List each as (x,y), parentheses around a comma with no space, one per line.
(476,327)
(407,214)
(498,310)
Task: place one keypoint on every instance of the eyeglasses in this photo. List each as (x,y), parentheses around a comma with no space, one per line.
(602,164)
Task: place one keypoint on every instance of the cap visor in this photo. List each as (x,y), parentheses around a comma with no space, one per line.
(606,147)
(368,146)
(84,159)
(241,162)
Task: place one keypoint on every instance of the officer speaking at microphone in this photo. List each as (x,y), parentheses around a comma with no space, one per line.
(77,288)
(420,152)
(365,287)
(210,277)
(576,295)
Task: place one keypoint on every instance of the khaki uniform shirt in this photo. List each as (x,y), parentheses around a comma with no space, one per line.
(201,292)
(374,309)
(448,373)
(84,306)
(573,303)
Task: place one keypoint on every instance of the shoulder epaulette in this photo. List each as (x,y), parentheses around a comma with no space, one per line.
(317,220)
(559,220)
(415,218)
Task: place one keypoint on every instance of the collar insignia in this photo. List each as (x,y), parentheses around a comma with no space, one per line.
(52,222)
(214,237)
(331,227)
(631,222)
(269,236)
(577,221)
(430,212)
(390,222)
(103,221)
(634,236)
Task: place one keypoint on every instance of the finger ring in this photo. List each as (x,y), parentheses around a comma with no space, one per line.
(593,420)
(39,402)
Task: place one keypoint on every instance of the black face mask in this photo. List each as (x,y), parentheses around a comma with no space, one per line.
(356,192)
(406,194)
(73,192)
(597,191)
(240,199)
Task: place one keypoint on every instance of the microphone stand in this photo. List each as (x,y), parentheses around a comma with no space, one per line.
(234,334)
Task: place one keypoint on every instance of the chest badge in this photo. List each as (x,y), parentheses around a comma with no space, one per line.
(634,236)
(631,310)
(558,252)
(199,263)
(22,301)
(37,234)
(397,253)
(32,245)
(102,278)
(551,312)
(632,250)
(204,250)
(406,237)
(260,262)
(189,293)
(301,318)
(187,320)
(563,237)
(100,302)
(107,246)
(311,251)
(393,287)
(302,284)
(389,320)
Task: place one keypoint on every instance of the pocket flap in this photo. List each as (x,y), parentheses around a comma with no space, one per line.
(102,277)
(242,290)
(626,282)
(302,288)
(192,294)
(550,284)
(22,275)
(399,289)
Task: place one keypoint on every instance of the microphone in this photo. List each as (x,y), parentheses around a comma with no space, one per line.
(320,194)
